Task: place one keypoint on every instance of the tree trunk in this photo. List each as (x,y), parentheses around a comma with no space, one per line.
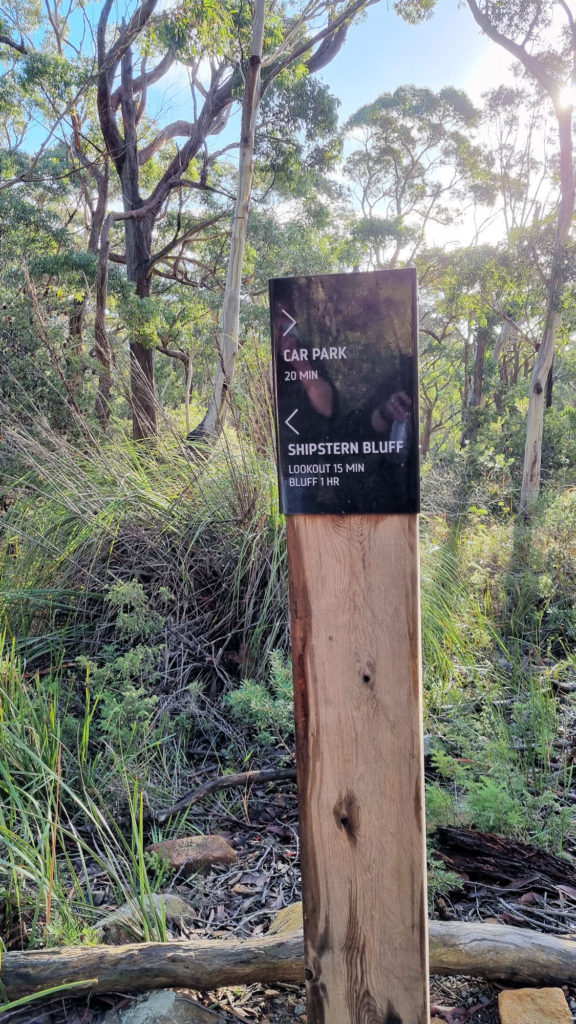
(229,337)
(492,951)
(426,435)
(474,398)
(142,391)
(74,367)
(138,234)
(102,344)
(545,357)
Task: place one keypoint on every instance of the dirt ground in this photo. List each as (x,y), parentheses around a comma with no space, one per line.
(242,901)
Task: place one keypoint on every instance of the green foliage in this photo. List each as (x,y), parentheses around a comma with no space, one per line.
(194,27)
(122,685)
(414,11)
(297,139)
(268,710)
(441,881)
(143,586)
(496,770)
(540,606)
(51,802)
(559,446)
(134,617)
(404,141)
(172,519)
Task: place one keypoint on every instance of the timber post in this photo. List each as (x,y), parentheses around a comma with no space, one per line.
(346,398)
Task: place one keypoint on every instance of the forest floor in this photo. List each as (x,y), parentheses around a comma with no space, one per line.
(242,900)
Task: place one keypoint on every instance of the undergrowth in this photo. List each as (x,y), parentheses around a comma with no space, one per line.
(143,605)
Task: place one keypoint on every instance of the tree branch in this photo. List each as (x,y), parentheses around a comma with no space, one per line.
(225,782)
(178,129)
(532,64)
(493,951)
(143,81)
(7,41)
(325,51)
(177,240)
(112,137)
(219,97)
(129,34)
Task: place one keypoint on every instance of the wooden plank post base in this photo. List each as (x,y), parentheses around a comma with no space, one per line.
(354,595)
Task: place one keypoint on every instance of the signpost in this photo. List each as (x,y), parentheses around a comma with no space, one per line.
(346,401)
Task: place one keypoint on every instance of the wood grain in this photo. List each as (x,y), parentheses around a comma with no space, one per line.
(354,592)
(492,951)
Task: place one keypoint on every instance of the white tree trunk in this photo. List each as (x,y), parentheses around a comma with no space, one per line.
(230,327)
(545,357)
(540,70)
(535,418)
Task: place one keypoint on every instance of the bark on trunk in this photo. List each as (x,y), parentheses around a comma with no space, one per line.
(102,344)
(492,951)
(138,234)
(545,358)
(229,337)
(74,363)
(474,403)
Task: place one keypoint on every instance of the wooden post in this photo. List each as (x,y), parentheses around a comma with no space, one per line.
(345,381)
(354,588)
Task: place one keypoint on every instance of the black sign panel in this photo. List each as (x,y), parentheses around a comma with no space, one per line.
(345,378)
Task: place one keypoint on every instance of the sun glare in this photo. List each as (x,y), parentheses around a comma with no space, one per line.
(568,95)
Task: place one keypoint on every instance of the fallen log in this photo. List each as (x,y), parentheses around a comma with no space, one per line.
(491,951)
(501,861)
(224,782)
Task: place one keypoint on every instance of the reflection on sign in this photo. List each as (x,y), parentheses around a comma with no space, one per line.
(345,373)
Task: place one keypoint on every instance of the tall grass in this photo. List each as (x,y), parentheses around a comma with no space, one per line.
(139,583)
(192,522)
(56,834)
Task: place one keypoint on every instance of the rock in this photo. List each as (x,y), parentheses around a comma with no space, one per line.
(533,1006)
(193,853)
(162,1007)
(289,919)
(125,924)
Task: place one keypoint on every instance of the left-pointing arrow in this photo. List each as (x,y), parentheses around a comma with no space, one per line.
(288,424)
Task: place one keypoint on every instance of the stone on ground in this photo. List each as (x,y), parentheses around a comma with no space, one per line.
(162,1007)
(533,1006)
(289,919)
(194,853)
(125,924)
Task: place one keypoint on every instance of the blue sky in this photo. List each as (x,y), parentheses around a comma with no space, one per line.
(384,52)
(381,53)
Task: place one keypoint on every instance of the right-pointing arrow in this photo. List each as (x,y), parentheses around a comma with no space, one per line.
(290,325)
(288,424)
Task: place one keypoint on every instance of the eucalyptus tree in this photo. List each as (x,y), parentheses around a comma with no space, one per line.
(482,311)
(232,53)
(41,272)
(541,35)
(414,165)
(523,144)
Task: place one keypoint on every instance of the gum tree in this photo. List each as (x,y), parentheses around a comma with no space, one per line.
(93,88)
(233,53)
(541,35)
(413,166)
